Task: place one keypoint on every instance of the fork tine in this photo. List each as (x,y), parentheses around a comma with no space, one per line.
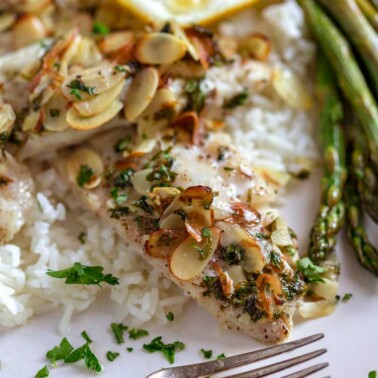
(274,368)
(306,372)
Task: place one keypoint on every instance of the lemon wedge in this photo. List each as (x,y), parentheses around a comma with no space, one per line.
(185,12)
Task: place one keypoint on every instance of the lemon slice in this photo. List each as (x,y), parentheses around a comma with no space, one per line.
(185,12)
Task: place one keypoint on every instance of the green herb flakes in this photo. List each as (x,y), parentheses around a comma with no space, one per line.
(346,297)
(372,374)
(170,317)
(84,353)
(123,143)
(207,353)
(119,212)
(85,175)
(86,337)
(136,333)
(44,372)
(237,100)
(232,254)
(100,29)
(54,113)
(60,352)
(168,350)
(84,275)
(221,356)
(195,94)
(111,356)
(78,86)
(310,271)
(119,198)
(118,329)
(129,349)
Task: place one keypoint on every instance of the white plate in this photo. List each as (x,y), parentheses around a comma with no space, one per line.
(351,332)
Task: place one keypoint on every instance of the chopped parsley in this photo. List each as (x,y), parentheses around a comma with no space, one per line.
(122,144)
(346,297)
(275,259)
(84,275)
(82,237)
(44,372)
(238,99)
(60,352)
(54,113)
(144,205)
(195,95)
(170,317)
(122,179)
(372,374)
(232,254)
(204,252)
(162,174)
(84,353)
(136,333)
(119,211)
(85,175)
(98,28)
(228,169)
(221,356)
(86,337)
(118,329)
(78,86)
(310,271)
(119,198)
(111,356)
(207,353)
(213,287)
(129,349)
(168,350)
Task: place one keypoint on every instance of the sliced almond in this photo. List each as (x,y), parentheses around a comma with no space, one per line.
(225,280)
(196,219)
(256,46)
(139,181)
(253,258)
(55,114)
(141,92)
(160,48)
(173,222)
(85,157)
(7,118)
(161,243)
(117,40)
(236,273)
(198,195)
(27,30)
(99,103)
(32,122)
(76,121)
(281,235)
(275,177)
(185,262)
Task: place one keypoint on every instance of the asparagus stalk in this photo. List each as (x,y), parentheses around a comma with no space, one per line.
(366,253)
(370,12)
(359,31)
(330,218)
(349,76)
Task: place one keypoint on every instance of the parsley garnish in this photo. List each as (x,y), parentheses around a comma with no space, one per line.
(170,317)
(85,275)
(136,333)
(78,86)
(221,356)
(310,271)
(122,144)
(275,259)
(86,337)
(122,178)
(99,28)
(60,352)
(372,374)
(82,237)
(84,176)
(238,99)
(207,353)
(44,372)
(129,349)
(346,297)
(228,169)
(168,350)
(195,94)
(118,330)
(54,113)
(111,356)
(84,353)
(119,211)
(118,198)
(204,252)
(232,254)
(144,205)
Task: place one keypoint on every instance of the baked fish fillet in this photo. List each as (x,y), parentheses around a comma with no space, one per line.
(193,215)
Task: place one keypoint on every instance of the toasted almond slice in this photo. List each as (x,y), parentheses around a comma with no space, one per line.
(55,114)
(173,222)
(160,48)
(76,121)
(100,103)
(141,92)
(281,235)
(32,122)
(253,258)
(180,33)
(197,195)
(291,89)
(225,280)
(96,83)
(236,273)
(27,30)
(114,41)
(196,219)
(185,263)
(275,177)
(139,181)
(161,243)
(7,118)
(85,157)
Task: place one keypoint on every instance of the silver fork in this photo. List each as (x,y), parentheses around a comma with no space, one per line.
(205,369)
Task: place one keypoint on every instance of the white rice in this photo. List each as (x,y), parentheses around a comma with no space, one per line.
(265,130)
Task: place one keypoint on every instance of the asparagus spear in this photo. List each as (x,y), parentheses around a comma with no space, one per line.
(331,215)
(349,76)
(359,31)
(370,12)
(366,253)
